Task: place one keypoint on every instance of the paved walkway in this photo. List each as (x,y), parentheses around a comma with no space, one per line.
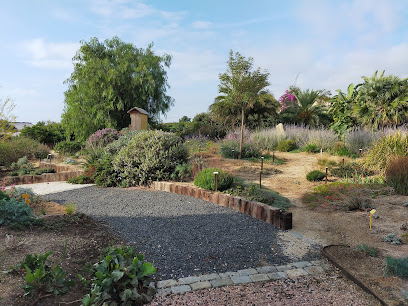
(52,187)
(245,276)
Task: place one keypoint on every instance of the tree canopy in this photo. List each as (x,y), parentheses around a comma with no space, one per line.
(109,78)
(382,101)
(240,88)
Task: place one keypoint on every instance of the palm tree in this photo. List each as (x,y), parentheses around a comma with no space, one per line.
(265,107)
(240,87)
(341,109)
(308,108)
(382,101)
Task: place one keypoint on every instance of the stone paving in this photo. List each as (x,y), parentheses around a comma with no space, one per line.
(260,274)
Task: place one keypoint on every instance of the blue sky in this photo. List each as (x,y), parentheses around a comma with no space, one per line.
(320,44)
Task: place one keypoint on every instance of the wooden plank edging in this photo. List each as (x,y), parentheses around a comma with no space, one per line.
(263,212)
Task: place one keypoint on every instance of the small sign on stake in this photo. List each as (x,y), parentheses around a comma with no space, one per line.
(371,216)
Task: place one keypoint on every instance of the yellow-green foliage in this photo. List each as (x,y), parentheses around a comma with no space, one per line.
(383,150)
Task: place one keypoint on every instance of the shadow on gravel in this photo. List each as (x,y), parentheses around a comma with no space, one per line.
(182,235)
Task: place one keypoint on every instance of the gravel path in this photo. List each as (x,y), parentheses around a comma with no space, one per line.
(182,235)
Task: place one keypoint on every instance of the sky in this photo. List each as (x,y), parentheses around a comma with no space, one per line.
(323,44)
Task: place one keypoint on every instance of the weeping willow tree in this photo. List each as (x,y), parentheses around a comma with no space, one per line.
(110,78)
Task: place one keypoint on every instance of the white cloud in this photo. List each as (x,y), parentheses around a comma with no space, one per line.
(202,24)
(40,53)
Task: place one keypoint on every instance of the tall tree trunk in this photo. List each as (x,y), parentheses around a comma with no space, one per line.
(242,133)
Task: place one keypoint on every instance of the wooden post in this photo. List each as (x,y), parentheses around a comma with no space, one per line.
(260,179)
(360,151)
(326,174)
(343,161)
(216,181)
(273,157)
(233,154)
(262,159)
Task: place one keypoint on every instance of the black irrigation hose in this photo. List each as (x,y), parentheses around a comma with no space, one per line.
(349,275)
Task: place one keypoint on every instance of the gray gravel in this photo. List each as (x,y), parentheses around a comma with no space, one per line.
(182,235)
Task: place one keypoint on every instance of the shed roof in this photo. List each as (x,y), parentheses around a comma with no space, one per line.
(140,110)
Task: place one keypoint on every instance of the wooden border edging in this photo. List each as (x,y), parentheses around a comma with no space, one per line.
(349,275)
(263,212)
(45,177)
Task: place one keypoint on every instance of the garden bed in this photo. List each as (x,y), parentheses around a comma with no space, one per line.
(86,238)
(368,272)
(63,173)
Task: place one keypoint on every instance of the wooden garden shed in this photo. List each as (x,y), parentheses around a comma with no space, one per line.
(138,119)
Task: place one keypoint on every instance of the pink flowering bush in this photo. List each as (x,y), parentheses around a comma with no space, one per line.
(102,137)
(287,99)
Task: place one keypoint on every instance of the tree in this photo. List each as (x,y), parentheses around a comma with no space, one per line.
(240,87)
(6,118)
(307,108)
(341,110)
(382,101)
(266,107)
(44,132)
(110,78)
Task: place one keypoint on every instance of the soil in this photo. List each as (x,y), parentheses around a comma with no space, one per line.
(325,226)
(86,238)
(334,227)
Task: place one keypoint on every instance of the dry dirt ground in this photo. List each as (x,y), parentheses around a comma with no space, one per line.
(86,238)
(333,227)
(327,227)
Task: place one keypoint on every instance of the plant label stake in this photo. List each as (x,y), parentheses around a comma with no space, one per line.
(216,181)
(326,174)
(359,152)
(262,159)
(371,216)
(233,154)
(273,157)
(343,161)
(49,157)
(260,179)
(321,152)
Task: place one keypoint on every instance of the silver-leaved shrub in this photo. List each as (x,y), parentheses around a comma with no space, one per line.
(149,156)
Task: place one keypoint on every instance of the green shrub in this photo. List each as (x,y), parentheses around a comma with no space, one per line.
(68,147)
(3,195)
(15,148)
(397,266)
(80,179)
(149,156)
(383,150)
(205,179)
(287,145)
(351,170)
(104,173)
(121,277)
(369,250)
(315,175)
(249,149)
(123,140)
(15,212)
(393,239)
(396,174)
(182,173)
(17,193)
(265,196)
(41,152)
(311,148)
